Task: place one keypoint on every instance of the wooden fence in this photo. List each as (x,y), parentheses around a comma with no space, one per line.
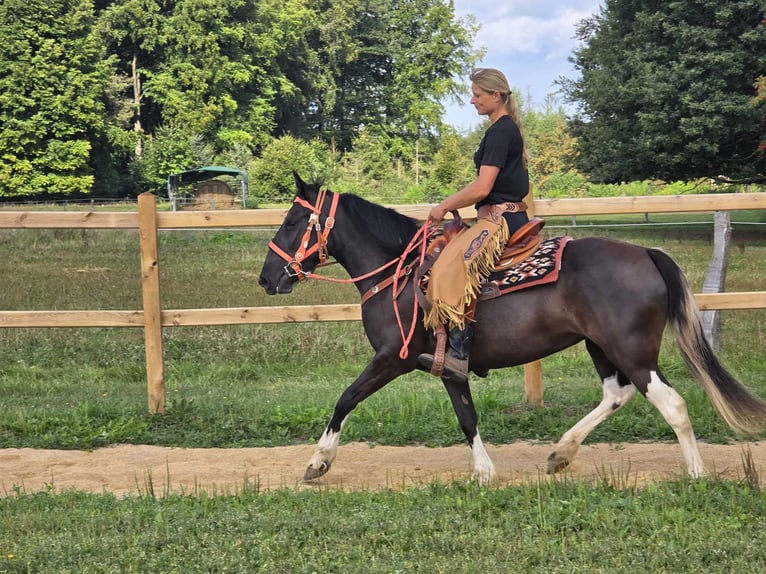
(153,318)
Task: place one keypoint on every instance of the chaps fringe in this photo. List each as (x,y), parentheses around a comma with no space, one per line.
(463,275)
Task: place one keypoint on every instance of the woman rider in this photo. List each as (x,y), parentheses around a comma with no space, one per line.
(498,191)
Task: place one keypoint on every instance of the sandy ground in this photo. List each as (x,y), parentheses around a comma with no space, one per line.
(136,469)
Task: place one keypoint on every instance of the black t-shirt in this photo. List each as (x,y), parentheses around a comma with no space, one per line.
(502,147)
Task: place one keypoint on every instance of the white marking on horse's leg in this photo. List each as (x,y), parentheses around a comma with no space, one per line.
(672,407)
(615,397)
(325,452)
(483,468)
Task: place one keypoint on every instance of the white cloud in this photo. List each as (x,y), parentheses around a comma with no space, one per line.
(529,40)
(552,37)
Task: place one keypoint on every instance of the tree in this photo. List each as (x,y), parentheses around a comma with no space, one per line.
(217,76)
(52,77)
(131,29)
(406,58)
(552,148)
(668,90)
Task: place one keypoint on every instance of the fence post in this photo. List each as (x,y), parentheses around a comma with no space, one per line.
(715,278)
(150,288)
(533,372)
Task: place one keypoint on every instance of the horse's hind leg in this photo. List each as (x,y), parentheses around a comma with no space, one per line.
(672,407)
(462,402)
(615,396)
(617,391)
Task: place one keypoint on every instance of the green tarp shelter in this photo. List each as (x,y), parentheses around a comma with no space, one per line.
(193,176)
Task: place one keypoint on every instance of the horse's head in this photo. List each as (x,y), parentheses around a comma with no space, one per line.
(301,241)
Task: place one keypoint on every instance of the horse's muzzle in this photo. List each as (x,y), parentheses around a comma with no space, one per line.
(283,285)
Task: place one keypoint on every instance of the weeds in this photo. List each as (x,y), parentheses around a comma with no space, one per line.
(751,472)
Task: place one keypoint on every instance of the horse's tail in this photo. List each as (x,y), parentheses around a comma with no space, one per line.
(742,410)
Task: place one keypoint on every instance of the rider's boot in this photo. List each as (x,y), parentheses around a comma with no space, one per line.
(456,357)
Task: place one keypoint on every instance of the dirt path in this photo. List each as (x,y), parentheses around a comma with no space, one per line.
(130,469)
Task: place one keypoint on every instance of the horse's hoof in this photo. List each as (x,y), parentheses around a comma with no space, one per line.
(314,472)
(556,464)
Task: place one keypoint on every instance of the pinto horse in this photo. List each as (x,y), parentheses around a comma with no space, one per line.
(615,296)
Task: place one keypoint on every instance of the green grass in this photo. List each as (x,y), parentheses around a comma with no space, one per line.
(685,526)
(262,385)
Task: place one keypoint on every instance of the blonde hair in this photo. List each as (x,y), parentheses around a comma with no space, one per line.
(491,80)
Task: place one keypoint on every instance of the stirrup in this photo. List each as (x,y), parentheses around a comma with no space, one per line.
(453,369)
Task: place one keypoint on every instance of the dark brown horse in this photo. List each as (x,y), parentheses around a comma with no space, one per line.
(615,296)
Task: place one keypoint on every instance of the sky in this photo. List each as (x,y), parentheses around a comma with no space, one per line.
(529,40)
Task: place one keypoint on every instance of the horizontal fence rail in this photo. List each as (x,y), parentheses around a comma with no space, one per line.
(152,319)
(287,314)
(267,217)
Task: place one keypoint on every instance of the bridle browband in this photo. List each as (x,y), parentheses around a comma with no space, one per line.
(293,268)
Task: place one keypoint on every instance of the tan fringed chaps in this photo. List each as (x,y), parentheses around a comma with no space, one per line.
(458,273)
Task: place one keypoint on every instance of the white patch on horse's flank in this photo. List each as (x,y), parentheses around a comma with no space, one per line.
(672,407)
(483,467)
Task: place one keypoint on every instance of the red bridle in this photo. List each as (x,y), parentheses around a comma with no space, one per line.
(293,267)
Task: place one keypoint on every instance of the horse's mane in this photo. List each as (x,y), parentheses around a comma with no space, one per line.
(390,229)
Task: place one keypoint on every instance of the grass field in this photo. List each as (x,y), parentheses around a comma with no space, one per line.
(263,385)
(699,526)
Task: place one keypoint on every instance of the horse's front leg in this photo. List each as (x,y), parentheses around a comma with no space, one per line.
(462,402)
(382,370)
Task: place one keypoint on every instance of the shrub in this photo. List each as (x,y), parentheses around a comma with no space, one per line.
(271,175)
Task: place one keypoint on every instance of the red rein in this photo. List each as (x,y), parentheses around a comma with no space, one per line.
(294,268)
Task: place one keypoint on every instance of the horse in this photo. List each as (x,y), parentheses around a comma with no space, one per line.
(616,296)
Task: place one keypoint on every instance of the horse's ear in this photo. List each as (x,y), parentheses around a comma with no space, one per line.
(299,184)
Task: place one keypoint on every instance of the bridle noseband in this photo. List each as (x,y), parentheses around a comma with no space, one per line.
(293,268)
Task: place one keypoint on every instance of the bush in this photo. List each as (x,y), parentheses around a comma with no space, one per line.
(271,175)
(563,184)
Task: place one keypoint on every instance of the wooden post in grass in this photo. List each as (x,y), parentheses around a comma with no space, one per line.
(715,278)
(150,287)
(533,372)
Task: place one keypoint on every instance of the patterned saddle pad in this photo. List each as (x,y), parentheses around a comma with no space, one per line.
(538,269)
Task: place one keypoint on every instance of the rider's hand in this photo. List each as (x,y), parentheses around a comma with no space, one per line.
(437,214)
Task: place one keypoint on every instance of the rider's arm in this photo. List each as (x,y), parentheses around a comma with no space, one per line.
(471,194)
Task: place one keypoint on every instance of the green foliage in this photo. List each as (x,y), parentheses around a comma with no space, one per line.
(449,164)
(371,148)
(552,526)
(52,75)
(401,64)
(90,87)
(668,91)
(563,184)
(170,151)
(271,175)
(552,148)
